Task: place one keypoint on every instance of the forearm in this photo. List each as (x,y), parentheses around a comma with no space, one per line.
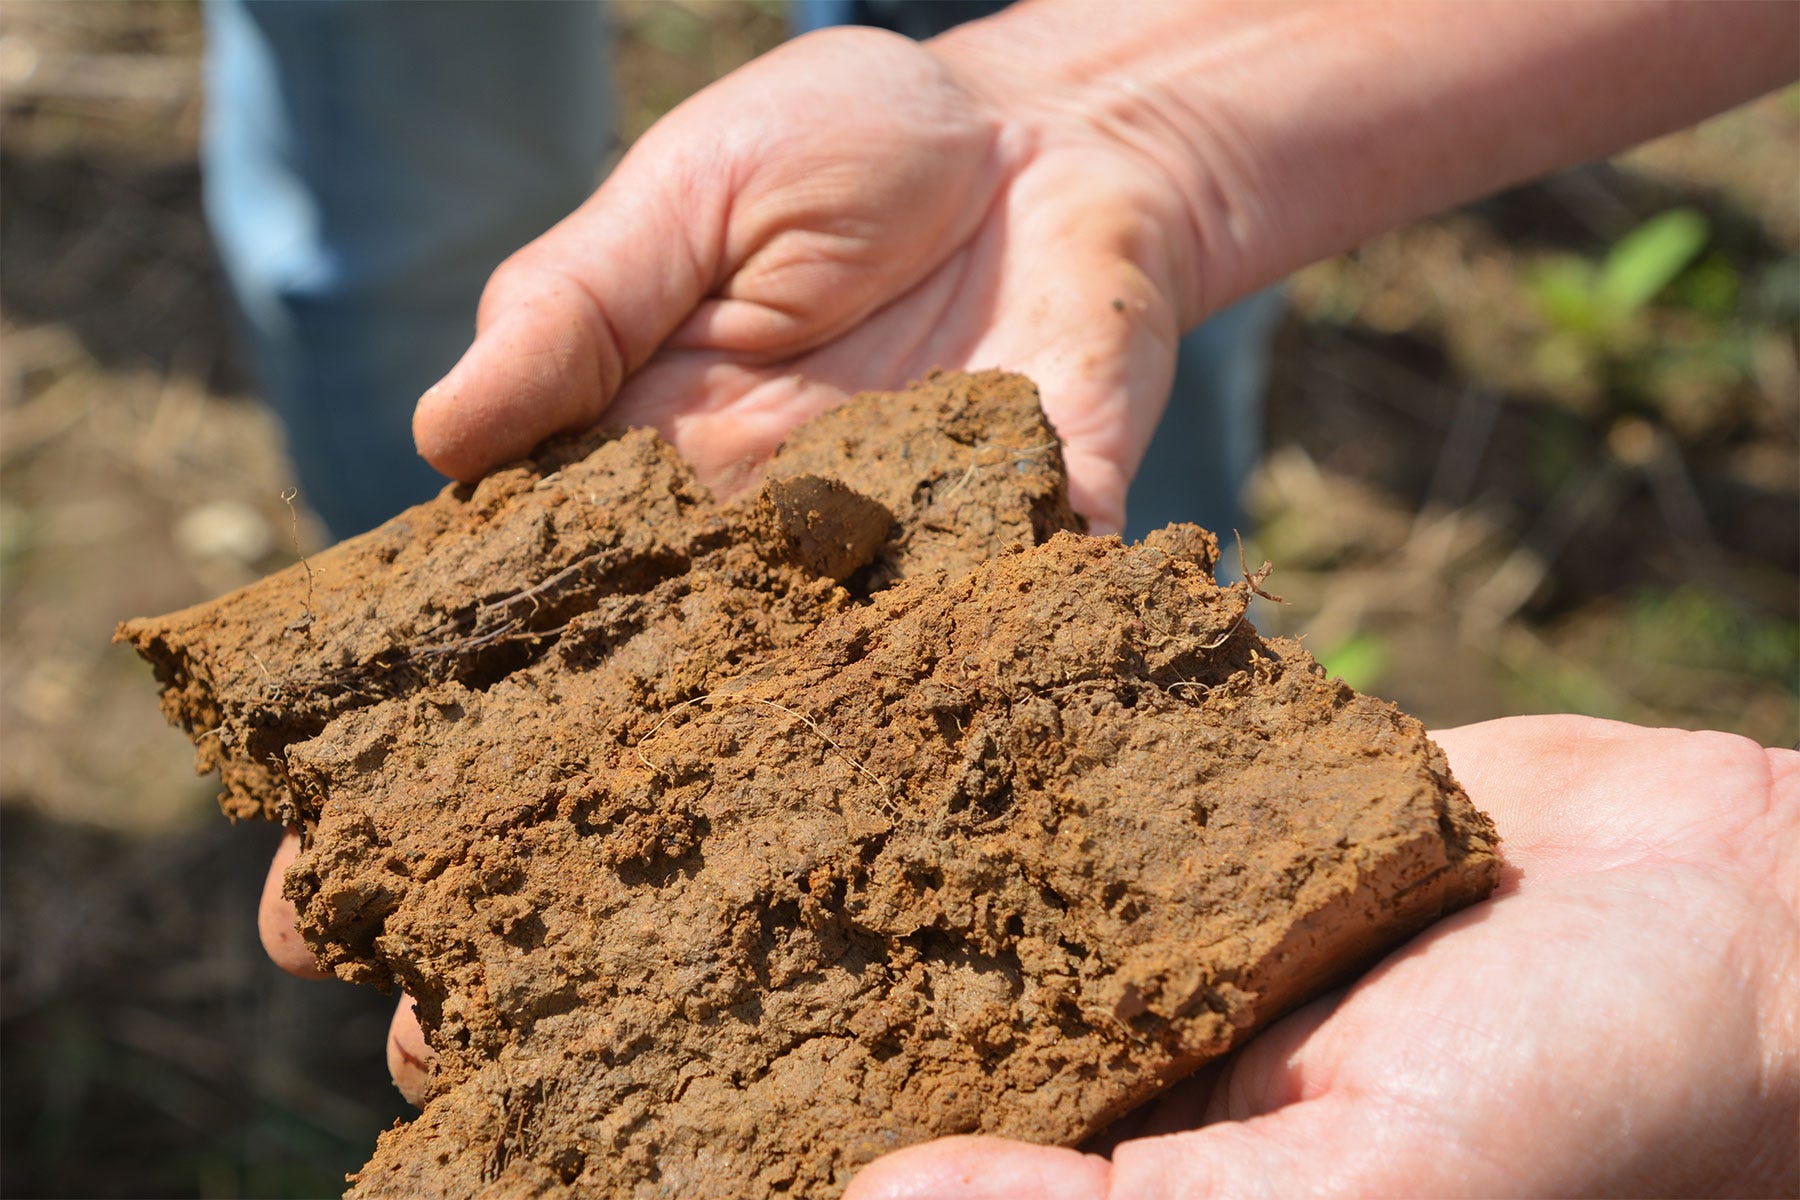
(1295,130)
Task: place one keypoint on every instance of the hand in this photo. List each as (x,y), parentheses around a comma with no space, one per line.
(845,213)
(1055,191)
(408,1057)
(1623,1017)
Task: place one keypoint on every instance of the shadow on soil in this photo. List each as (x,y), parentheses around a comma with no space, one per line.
(115,249)
(150,1048)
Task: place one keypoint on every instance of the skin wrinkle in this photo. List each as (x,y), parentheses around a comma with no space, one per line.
(943,290)
(1224,217)
(767,154)
(1758,842)
(1424,1128)
(601,336)
(1156,321)
(698,182)
(1322,146)
(1117,97)
(767,349)
(1642,1055)
(741,166)
(694,192)
(603,333)
(951,288)
(1779,1012)
(1781,1015)
(1088,425)
(1421,1119)
(1125,131)
(772,328)
(1281,1076)
(1216,222)
(1173,1172)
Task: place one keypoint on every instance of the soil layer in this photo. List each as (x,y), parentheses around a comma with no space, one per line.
(726,846)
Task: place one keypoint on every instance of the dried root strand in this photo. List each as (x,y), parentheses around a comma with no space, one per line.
(1254,579)
(887,791)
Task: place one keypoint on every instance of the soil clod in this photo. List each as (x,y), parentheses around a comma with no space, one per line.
(728,845)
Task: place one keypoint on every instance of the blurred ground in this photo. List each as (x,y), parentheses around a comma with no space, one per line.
(1489,489)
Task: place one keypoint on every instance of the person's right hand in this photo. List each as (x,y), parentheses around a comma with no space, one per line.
(845,213)
(1621,1018)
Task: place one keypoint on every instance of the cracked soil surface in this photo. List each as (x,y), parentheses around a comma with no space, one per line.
(727,845)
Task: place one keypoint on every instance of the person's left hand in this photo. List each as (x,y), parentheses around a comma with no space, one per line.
(408,1057)
(1622,1017)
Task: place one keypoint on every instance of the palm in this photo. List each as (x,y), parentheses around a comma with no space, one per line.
(785,253)
(1620,1018)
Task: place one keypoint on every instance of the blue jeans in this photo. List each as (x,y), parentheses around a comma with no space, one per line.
(369,163)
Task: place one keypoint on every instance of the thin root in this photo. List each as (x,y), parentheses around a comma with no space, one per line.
(878,781)
(1019,455)
(974,462)
(1226,636)
(1254,579)
(305,620)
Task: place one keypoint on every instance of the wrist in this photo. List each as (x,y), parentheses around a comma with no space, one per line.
(1291,131)
(1069,71)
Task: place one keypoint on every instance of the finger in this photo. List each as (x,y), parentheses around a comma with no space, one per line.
(566,319)
(1572,795)
(408,1057)
(1183,1106)
(733,227)
(1087,322)
(980,1168)
(1326,1147)
(278,923)
(1277,1068)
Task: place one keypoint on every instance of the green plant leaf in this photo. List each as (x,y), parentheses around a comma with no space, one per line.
(1647,260)
(1567,363)
(1696,625)
(1710,287)
(1358,660)
(1563,289)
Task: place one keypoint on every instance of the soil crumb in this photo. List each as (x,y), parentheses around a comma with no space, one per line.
(729,845)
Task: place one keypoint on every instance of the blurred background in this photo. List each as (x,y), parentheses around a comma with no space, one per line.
(1539,454)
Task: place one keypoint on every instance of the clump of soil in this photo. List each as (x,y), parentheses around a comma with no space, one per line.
(726,846)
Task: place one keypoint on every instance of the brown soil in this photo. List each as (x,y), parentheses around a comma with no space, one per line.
(729,845)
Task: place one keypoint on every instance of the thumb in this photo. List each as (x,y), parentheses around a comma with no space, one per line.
(981,1168)
(1344,1143)
(1329,1146)
(1295,1151)
(567,318)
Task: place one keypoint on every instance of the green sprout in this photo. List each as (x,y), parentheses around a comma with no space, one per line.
(1359,660)
(1649,328)
(1602,301)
